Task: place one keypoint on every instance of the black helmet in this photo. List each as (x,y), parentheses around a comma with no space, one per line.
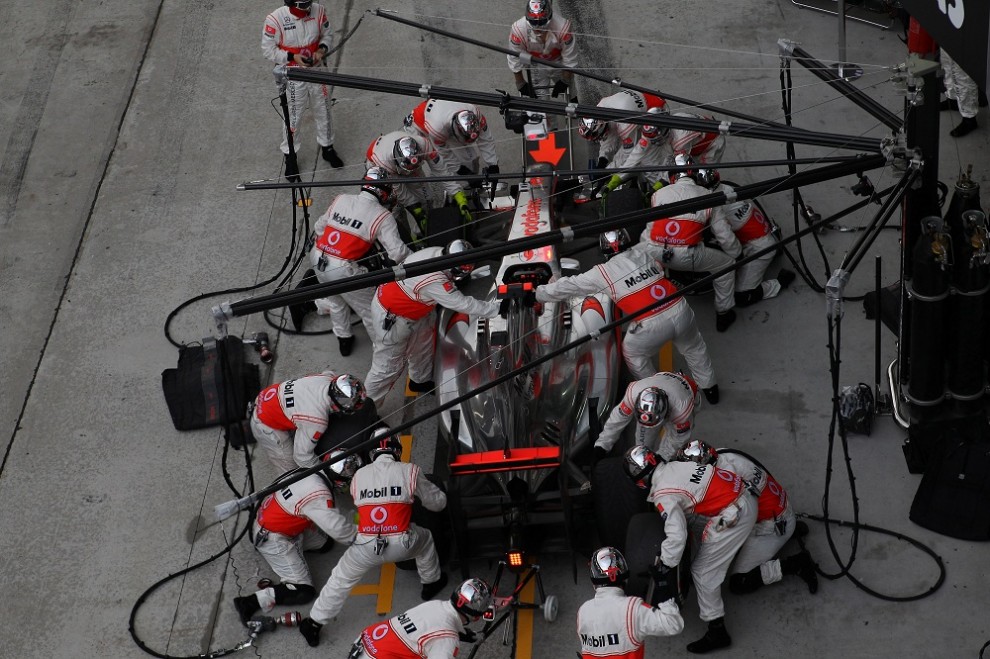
(466,126)
(697,451)
(640,463)
(385,441)
(608,567)
(458,272)
(856,409)
(347,394)
(539,12)
(472,598)
(614,242)
(375,184)
(407,155)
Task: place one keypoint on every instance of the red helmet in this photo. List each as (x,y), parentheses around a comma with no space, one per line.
(539,12)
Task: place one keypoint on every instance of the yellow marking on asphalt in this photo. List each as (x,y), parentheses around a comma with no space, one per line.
(386,576)
(667,357)
(524,623)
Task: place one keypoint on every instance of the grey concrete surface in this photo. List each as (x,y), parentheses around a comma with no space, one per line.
(125,128)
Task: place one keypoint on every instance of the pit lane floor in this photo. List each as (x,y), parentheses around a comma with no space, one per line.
(126,127)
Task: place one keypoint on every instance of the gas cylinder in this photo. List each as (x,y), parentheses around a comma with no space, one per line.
(928,293)
(967,308)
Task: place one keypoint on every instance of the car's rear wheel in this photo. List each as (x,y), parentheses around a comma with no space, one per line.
(616,501)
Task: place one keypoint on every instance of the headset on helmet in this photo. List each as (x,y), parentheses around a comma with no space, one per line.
(376,184)
(407,155)
(653,132)
(341,469)
(608,567)
(651,406)
(346,394)
(458,272)
(592,129)
(472,598)
(466,126)
(385,442)
(614,242)
(539,12)
(698,452)
(640,463)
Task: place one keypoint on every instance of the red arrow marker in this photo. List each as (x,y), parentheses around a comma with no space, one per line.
(547,150)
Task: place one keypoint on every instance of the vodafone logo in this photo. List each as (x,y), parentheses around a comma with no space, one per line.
(268,395)
(673,227)
(379,632)
(658,292)
(725,475)
(379,514)
(531,218)
(333,238)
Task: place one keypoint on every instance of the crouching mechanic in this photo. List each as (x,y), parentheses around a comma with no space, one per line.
(615,625)
(459,131)
(344,235)
(383,494)
(634,280)
(756,563)
(679,489)
(703,147)
(663,404)
(298,518)
(539,35)
(429,631)
(290,417)
(403,313)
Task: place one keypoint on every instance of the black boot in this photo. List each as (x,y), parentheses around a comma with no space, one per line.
(949,104)
(346,344)
(803,566)
(430,590)
(331,156)
(724,319)
(422,387)
(299,311)
(246,607)
(310,630)
(786,278)
(711,394)
(965,127)
(716,637)
(291,169)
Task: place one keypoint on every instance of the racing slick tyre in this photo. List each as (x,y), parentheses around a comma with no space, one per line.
(351,430)
(626,200)
(437,522)
(643,542)
(616,501)
(443,225)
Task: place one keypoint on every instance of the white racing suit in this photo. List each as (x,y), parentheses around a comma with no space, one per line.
(617,145)
(634,279)
(433,119)
(404,322)
(381,154)
(428,631)
(383,493)
(679,489)
(297,518)
(960,87)
(752,229)
(677,241)
(703,147)
(553,43)
(647,152)
(346,233)
(682,399)
(775,519)
(290,417)
(286,34)
(615,626)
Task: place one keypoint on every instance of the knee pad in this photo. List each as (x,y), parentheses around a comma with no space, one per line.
(294,593)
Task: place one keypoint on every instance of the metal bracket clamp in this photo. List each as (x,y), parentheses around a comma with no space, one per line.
(525,58)
(834,290)
(786,47)
(221,316)
(724,127)
(571,110)
(281,77)
(399,272)
(566,234)
(424,90)
(730,196)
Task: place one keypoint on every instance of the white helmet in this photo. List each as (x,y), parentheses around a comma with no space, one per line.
(472,598)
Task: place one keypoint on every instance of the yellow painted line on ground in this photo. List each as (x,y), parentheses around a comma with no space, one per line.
(524,623)
(667,357)
(386,576)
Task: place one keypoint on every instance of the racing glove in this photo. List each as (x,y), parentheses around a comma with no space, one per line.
(490,171)
(467,636)
(612,184)
(665,582)
(657,185)
(503,308)
(526,89)
(559,88)
(420,214)
(462,205)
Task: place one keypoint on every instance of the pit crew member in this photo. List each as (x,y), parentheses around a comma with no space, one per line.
(541,35)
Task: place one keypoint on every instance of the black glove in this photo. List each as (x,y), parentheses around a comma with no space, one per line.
(559,88)
(464,170)
(467,636)
(665,583)
(490,171)
(573,99)
(598,453)
(602,162)
(526,89)
(503,308)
